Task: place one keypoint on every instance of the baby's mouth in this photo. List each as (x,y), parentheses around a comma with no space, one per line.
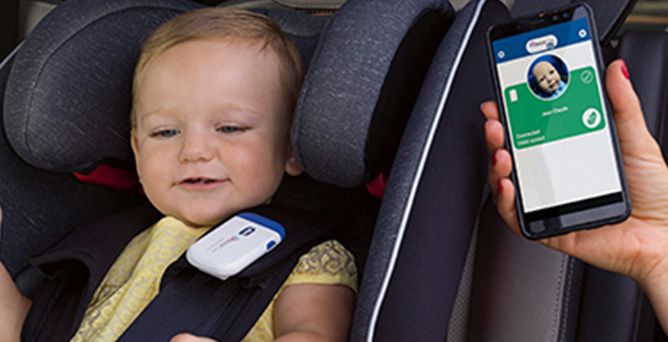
(199,180)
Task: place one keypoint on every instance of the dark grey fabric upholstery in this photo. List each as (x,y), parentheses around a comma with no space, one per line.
(68,95)
(613,309)
(341,88)
(29,196)
(430,247)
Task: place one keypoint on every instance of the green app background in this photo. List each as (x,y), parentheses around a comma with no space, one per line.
(536,121)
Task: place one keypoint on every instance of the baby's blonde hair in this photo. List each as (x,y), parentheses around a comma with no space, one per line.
(223,23)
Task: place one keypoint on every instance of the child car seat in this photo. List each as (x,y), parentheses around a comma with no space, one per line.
(425,226)
(67,98)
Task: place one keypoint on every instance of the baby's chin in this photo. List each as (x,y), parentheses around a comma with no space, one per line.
(201,215)
(201,221)
(206,218)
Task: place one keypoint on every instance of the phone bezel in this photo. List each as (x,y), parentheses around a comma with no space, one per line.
(593,215)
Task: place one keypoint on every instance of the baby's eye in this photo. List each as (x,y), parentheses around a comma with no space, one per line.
(165,133)
(230,129)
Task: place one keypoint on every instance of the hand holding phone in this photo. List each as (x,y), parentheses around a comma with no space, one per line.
(558,131)
(636,247)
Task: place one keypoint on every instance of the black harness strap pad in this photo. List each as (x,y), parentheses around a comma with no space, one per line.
(72,270)
(197,303)
(194,302)
(234,327)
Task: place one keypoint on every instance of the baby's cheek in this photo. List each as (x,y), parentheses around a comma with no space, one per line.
(263,188)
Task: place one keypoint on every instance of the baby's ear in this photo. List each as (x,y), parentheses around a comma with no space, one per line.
(292,167)
(135,149)
(133,141)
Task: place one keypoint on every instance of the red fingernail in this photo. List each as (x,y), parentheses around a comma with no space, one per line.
(500,187)
(625,71)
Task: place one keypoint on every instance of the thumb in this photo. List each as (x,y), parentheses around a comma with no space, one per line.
(625,104)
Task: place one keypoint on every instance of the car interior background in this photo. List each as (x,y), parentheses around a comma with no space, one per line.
(493,286)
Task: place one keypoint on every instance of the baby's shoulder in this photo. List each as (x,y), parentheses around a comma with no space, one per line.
(327,263)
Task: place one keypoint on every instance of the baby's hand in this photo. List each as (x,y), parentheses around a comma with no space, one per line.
(637,247)
(185,337)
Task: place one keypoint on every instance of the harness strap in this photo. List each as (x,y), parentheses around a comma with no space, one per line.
(72,269)
(194,302)
(188,301)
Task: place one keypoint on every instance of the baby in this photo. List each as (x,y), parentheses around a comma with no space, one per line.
(214,91)
(548,79)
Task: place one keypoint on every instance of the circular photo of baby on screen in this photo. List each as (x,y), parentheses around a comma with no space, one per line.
(548,77)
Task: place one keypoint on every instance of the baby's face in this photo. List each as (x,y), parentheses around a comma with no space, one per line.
(212,127)
(547,76)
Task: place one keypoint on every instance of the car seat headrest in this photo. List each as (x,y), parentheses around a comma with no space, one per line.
(68,95)
(362,82)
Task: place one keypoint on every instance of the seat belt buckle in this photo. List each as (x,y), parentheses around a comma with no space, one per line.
(235,244)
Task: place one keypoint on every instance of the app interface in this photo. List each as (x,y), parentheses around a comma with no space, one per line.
(558,129)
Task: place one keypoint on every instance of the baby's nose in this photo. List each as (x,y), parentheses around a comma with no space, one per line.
(196,148)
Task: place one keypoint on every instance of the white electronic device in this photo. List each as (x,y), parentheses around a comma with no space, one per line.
(233,245)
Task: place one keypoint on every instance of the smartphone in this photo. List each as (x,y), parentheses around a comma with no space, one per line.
(559,131)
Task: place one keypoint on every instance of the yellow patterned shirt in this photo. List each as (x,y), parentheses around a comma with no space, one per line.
(134,280)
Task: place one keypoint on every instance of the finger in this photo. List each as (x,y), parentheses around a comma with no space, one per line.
(185,337)
(625,103)
(490,110)
(500,168)
(180,338)
(505,204)
(493,135)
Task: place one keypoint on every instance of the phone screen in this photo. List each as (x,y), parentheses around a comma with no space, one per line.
(563,152)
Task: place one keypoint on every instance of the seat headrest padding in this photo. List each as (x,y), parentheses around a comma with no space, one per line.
(68,95)
(344,83)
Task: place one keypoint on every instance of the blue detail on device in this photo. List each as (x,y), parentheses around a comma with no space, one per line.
(567,33)
(268,223)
